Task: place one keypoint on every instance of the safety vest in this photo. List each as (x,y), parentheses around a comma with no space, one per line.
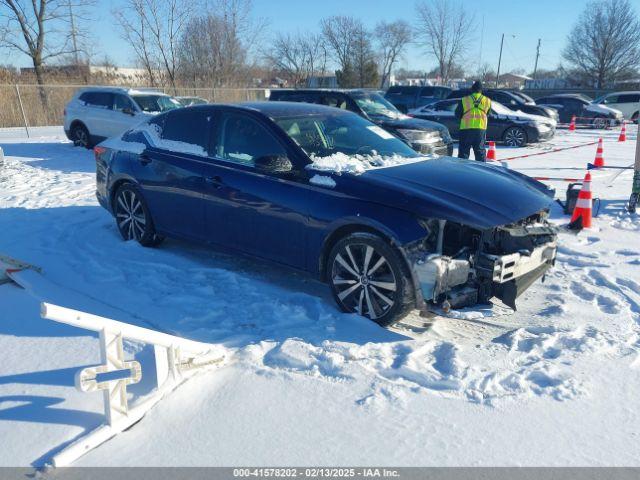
(475,108)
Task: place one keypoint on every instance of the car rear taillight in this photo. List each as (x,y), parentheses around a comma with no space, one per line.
(97,151)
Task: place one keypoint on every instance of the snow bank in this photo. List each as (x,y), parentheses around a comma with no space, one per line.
(355,164)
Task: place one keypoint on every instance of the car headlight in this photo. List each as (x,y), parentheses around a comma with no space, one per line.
(420,136)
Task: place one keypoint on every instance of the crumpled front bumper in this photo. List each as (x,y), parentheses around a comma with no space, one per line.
(462,282)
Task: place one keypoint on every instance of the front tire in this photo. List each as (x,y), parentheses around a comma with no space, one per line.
(369,277)
(133,218)
(515,137)
(80,136)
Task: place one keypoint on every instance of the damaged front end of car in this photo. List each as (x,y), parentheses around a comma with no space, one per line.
(458,266)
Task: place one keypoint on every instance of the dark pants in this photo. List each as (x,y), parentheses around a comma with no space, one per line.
(472,138)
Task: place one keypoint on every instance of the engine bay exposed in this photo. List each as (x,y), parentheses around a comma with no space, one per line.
(459,266)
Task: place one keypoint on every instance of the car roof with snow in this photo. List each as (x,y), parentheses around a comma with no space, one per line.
(130,91)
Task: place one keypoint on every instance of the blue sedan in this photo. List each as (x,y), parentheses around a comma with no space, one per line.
(325,191)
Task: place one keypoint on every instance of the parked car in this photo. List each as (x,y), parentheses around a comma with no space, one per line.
(626,102)
(424,137)
(96,113)
(189,101)
(515,129)
(569,105)
(328,192)
(512,101)
(409,97)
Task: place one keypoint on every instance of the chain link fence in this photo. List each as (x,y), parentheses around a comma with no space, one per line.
(43,105)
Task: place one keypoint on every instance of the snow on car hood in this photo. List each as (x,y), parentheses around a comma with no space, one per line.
(535,118)
(597,108)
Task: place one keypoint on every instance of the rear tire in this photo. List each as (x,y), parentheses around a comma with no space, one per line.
(599,123)
(80,136)
(634,117)
(133,218)
(515,137)
(369,277)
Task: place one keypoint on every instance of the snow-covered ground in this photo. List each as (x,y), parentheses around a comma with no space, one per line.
(556,383)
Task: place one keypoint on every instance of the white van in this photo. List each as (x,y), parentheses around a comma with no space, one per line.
(96,113)
(627,102)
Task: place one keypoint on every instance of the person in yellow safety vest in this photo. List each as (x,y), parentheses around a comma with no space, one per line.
(472,112)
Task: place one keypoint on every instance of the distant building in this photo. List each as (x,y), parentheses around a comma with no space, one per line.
(546,84)
(96,73)
(512,80)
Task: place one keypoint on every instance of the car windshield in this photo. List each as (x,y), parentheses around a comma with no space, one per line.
(375,105)
(156,103)
(347,135)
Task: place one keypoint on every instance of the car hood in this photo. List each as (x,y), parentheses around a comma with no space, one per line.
(463,191)
(409,123)
(594,107)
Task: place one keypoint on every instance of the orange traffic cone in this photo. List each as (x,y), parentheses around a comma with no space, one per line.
(491,154)
(599,161)
(572,125)
(623,133)
(582,210)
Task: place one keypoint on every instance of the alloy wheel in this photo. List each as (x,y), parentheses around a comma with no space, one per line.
(515,137)
(130,215)
(363,280)
(81,137)
(599,123)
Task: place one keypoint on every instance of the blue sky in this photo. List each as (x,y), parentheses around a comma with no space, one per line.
(528,20)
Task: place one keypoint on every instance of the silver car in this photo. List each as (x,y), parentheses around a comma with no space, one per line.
(97,113)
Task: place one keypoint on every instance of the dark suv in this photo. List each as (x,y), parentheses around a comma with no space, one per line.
(408,97)
(512,101)
(423,136)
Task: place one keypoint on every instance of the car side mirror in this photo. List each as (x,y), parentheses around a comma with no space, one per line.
(273,164)
(128,111)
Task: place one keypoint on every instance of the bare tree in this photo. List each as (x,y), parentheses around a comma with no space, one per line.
(218,46)
(36,29)
(340,34)
(363,62)
(445,29)
(350,43)
(391,38)
(299,56)
(604,45)
(153,28)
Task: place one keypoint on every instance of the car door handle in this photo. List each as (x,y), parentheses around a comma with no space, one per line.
(215,181)
(144,158)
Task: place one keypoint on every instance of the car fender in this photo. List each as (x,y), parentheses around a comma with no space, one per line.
(402,230)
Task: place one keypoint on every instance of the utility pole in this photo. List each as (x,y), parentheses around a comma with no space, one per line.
(499,61)
(535,67)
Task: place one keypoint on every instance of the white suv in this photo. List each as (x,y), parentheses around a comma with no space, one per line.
(627,102)
(96,113)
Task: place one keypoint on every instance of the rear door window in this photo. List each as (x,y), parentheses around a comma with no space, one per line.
(98,99)
(187,131)
(241,139)
(628,98)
